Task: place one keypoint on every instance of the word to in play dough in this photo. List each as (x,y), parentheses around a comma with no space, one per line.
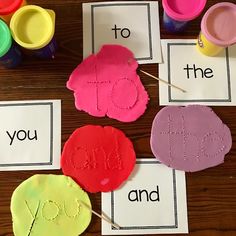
(107,84)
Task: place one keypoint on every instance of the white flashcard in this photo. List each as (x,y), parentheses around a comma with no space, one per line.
(152,201)
(134,25)
(30,135)
(207,80)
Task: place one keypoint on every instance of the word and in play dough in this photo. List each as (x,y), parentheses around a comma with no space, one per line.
(49,203)
(107,84)
(99,158)
(189,138)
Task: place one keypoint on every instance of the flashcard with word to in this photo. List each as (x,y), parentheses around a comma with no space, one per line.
(207,80)
(152,201)
(30,135)
(134,25)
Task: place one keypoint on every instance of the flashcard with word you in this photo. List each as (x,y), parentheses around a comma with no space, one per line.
(207,80)
(134,25)
(152,201)
(30,135)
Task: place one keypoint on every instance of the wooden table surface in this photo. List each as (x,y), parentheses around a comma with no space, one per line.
(211,193)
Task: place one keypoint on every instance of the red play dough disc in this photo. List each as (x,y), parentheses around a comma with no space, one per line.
(99,158)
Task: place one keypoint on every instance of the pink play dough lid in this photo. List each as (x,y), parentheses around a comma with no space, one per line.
(183,10)
(219,24)
(189,138)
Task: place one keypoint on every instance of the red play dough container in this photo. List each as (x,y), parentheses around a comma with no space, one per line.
(8,7)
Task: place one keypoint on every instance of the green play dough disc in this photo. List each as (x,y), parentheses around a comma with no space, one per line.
(49,205)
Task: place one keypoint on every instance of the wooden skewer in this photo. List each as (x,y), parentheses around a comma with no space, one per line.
(171,85)
(100,216)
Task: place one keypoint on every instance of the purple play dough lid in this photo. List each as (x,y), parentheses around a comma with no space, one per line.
(189,138)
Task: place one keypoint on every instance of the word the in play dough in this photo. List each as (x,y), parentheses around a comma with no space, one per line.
(107,84)
(189,138)
(99,158)
(49,203)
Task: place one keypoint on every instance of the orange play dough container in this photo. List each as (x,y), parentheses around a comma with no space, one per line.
(8,7)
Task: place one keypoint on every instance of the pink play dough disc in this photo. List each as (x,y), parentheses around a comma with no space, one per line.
(189,138)
(107,84)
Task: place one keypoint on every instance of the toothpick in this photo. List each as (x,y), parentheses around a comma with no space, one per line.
(34,217)
(171,85)
(100,216)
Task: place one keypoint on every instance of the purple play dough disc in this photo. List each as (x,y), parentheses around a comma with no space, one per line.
(189,138)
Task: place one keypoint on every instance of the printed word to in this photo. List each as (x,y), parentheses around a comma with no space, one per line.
(144,195)
(198,72)
(124,32)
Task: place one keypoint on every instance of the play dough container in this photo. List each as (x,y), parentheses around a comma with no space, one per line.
(177,13)
(10,55)
(8,7)
(217,29)
(33,28)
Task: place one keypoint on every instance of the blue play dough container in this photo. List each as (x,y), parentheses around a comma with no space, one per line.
(172,25)
(48,51)
(12,58)
(178,13)
(10,55)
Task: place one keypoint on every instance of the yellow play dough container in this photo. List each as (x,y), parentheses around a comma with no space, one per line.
(33,28)
(217,29)
(206,47)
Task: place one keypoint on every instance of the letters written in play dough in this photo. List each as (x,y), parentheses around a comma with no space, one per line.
(107,84)
(189,138)
(49,205)
(99,158)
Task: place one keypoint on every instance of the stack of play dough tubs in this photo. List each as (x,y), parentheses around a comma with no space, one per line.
(31,27)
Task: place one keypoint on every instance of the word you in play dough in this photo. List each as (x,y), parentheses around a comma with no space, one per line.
(49,205)
(107,84)
(99,158)
(189,138)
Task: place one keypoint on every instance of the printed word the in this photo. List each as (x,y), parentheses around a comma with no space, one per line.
(21,135)
(143,195)
(124,33)
(198,72)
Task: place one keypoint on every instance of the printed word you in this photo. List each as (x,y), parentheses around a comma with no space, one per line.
(22,135)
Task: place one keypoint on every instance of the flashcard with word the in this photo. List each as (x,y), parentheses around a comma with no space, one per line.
(152,201)
(207,80)
(30,135)
(134,25)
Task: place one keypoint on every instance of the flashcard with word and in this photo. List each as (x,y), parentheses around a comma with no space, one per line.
(152,201)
